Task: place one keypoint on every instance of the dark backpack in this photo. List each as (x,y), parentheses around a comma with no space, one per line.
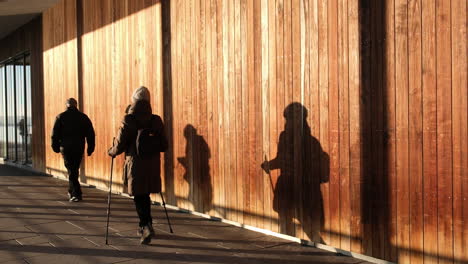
(148,142)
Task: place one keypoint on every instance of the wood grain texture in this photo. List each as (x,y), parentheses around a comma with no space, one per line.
(460,128)
(354,126)
(415,131)
(384,87)
(429,131)
(444,132)
(60,74)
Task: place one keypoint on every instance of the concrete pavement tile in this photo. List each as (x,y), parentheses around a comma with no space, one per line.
(117,224)
(114,240)
(15,233)
(18,252)
(267,241)
(154,261)
(307,253)
(20,220)
(80,251)
(39,239)
(95,232)
(225,233)
(57,228)
(16,261)
(78,257)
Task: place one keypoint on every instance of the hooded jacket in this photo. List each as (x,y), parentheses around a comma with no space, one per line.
(141,175)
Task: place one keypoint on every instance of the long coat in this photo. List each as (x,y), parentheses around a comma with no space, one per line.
(141,175)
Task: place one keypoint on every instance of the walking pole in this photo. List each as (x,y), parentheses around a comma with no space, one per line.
(269,175)
(167,216)
(109,198)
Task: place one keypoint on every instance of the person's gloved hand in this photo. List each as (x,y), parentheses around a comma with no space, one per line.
(56,148)
(111,153)
(266,166)
(90,151)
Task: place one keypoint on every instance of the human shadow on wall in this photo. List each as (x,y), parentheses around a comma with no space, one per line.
(197,170)
(303,167)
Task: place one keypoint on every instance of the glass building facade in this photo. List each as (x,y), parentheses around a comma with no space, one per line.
(15,109)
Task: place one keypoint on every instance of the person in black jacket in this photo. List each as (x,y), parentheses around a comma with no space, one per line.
(68,137)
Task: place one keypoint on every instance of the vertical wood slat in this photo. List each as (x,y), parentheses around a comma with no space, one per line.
(415,131)
(281,101)
(380,148)
(429,130)
(333,102)
(239,107)
(258,100)
(250,199)
(287,191)
(402,128)
(231,122)
(208,18)
(460,128)
(323,92)
(216,109)
(296,96)
(344,131)
(245,189)
(275,111)
(266,89)
(354,127)
(444,132)
(390,126)
(365,130)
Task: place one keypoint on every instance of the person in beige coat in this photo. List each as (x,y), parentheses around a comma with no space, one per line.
(142,175)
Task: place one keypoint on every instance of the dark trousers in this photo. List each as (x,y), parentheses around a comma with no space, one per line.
(143,208)
(72,163)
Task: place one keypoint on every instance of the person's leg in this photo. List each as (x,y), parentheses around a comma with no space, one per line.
(148,213)
(148,210)
(143,210)
(72,163)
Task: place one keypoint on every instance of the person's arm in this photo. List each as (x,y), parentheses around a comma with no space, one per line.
(276,162)
(121,142)
(90,136)
(164,143)
(56,135)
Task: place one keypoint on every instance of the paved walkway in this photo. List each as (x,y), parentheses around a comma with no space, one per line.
(39,225)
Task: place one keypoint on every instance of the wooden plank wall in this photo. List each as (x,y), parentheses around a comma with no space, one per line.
(359,106)
(29,38)
(113,55)
(60,72)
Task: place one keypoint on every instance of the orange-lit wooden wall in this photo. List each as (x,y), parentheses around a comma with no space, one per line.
(384,85)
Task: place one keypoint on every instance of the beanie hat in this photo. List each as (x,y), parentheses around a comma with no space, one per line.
(71,102)
(142,93)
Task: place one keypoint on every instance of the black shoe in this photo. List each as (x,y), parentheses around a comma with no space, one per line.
(145,236)
(75,199)
(140,231)
(150,226)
